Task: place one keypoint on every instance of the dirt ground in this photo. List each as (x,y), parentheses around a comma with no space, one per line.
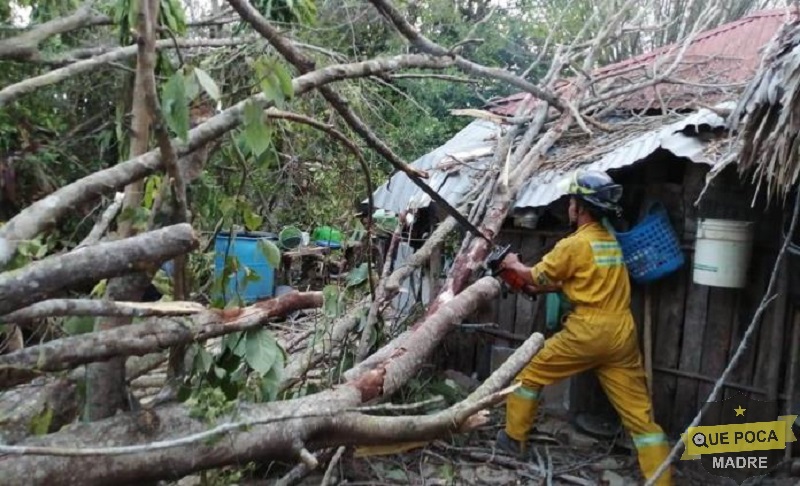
(560,456)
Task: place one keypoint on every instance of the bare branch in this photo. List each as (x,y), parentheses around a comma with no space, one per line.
(264,431)
(25,46)
(426,45)
(38,216)
(99,229)
(42,278)
(146,337)
(97,308)
(14,91)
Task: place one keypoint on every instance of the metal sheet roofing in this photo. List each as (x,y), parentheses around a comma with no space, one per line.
(451,169)
(632,141)
(715,62)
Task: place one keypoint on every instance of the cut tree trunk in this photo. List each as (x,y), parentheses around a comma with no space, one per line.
(43,278)
(277,430)
(147,337)
(105,385)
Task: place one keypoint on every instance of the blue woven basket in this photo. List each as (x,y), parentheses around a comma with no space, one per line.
(651,248)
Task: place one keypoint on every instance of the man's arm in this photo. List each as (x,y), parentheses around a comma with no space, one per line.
(511,263)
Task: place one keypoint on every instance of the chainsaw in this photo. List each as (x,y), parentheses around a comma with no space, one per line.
(495,258)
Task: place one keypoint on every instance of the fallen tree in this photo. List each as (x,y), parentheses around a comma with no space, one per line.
(41,279)
(146,337)
(168,443)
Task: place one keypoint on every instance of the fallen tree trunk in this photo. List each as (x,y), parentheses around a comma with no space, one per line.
(47,211)
(146,337)
(41,279)
(98,308)
(275,430)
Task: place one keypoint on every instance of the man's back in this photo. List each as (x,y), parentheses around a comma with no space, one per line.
(590,268)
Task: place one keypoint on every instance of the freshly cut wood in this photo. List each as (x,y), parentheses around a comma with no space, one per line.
(147,337)
(167,443)
(42,278)
(95,307)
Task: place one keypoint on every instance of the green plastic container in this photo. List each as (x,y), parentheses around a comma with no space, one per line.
(290,237)
(328,236)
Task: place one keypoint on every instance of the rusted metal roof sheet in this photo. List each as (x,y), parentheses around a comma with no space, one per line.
(543,188)
(451,169)
(715,63)
(632,141)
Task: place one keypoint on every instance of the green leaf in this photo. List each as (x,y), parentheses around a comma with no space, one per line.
(252,221)
(262,350)
(256,133)
(192,87)
(236,344)
(40,424)
(207,83)
(330,301)
(203,360)
(357,276)
(271,252)
(151,187)
(284,80)
(175,105)
(268,80)
(270,383)
(78,325)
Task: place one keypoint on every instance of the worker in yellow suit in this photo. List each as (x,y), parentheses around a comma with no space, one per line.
(598,334)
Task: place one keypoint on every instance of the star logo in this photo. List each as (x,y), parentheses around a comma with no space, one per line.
(739,411)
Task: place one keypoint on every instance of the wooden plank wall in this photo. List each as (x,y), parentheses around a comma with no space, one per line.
(696,329)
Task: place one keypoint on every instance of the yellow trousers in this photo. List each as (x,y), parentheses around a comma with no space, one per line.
(606,343)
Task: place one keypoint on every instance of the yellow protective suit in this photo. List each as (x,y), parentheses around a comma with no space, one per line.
(598,334)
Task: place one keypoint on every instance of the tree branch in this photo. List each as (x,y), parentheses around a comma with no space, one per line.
(426,45)
(97,308)
(38,280)
(38,216)
(146,337)
(14,91)
(102,225)
(175,444)
(25,46)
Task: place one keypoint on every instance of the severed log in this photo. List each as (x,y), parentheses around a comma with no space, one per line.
(43,278)
(100,308)
(42,406)
(146,337)
(167,443)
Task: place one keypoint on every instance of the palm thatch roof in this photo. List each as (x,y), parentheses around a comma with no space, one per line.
(767,116)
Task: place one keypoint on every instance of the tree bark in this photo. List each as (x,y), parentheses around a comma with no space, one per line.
(97,308)
(25,46)
(150,336)
(275,430)
(38,280)
(49,210)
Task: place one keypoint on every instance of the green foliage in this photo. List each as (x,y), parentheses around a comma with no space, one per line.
(274,80)
(256,133)
(175,105)
(289,11)
(248,366)
(40,423)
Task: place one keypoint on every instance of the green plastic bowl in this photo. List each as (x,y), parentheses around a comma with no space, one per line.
(327,234)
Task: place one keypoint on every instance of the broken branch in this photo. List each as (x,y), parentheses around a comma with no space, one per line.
(40,279)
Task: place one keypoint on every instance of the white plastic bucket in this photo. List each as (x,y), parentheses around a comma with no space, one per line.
(722,252)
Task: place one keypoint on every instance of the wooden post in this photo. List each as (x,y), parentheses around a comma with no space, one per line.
(648,342)
(792,372)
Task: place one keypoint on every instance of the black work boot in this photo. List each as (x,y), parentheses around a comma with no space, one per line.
(509,445)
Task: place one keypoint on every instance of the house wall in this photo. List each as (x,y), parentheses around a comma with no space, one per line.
(695,329)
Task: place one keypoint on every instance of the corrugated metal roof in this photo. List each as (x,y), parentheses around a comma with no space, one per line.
(726,55)
(631,142)
(542,188)
(450,168)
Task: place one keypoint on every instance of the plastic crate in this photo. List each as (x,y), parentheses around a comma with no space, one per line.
(651,249)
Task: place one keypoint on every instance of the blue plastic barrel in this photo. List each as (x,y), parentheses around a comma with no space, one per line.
(244,246)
